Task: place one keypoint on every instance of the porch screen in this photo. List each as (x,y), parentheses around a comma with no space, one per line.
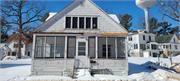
(101,47)
(39,47)
(91,47)
(111,49)
(120,47)
(71,47)
(60,45)
(50,47)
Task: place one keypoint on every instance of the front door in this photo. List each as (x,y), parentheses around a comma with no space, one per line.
(81,54)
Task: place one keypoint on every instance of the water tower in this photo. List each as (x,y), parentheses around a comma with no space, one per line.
(146,5)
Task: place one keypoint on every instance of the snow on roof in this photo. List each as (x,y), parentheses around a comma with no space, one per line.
(7,48)
(114,17)
(51,14)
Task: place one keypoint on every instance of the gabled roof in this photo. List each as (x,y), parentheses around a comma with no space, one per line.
(47,16)
(178,36)
(164,39)
(63,11)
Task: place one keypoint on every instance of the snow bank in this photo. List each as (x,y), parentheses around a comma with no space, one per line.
(159,74)
(40,78)
(10,58)
(15,58)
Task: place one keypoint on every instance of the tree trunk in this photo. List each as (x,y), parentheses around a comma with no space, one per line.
(19,48)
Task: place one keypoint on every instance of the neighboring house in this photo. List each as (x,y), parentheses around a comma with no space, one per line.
(141,44)
(1,51)
(81,35)
(169,42)
(11,49)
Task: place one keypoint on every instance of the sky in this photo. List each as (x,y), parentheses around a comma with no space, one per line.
(118,7)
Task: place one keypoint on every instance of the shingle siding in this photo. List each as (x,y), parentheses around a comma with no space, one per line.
(105,24)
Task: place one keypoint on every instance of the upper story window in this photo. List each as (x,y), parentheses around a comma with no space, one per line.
(130,38)
(174,40)
(82,22)
(143,37)
(149,38)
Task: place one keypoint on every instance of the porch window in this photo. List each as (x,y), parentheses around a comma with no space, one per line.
(111,47)
(104,51)
(81,22)
(71,47)
(121,47)
(39,47)
(49,47)
(60,44)
(68,22)
(101,42)
(91,47)
(94,23)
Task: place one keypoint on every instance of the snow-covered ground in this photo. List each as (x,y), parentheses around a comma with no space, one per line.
(20,69)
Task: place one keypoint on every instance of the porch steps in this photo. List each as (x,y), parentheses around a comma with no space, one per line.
(101,71)
(75,73)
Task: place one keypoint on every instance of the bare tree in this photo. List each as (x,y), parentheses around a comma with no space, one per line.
(170,8)
(109,11)
(21,14)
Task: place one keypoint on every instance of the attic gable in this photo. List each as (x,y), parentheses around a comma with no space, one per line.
(82,8)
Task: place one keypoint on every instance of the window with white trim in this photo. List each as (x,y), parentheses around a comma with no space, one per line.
(81,22)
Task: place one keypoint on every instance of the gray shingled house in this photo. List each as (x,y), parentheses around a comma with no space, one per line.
(81,35)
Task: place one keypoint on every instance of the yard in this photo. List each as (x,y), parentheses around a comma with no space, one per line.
(20,69)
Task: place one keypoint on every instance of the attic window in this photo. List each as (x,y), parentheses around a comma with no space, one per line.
(174,40)
(94,23)
(68,22)
(81,22)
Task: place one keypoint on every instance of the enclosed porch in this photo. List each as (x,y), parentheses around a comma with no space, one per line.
(65,52)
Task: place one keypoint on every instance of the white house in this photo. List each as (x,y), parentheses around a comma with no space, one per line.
(81,35)
(11,49)
(1,51)
(169,42)
(141,44)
